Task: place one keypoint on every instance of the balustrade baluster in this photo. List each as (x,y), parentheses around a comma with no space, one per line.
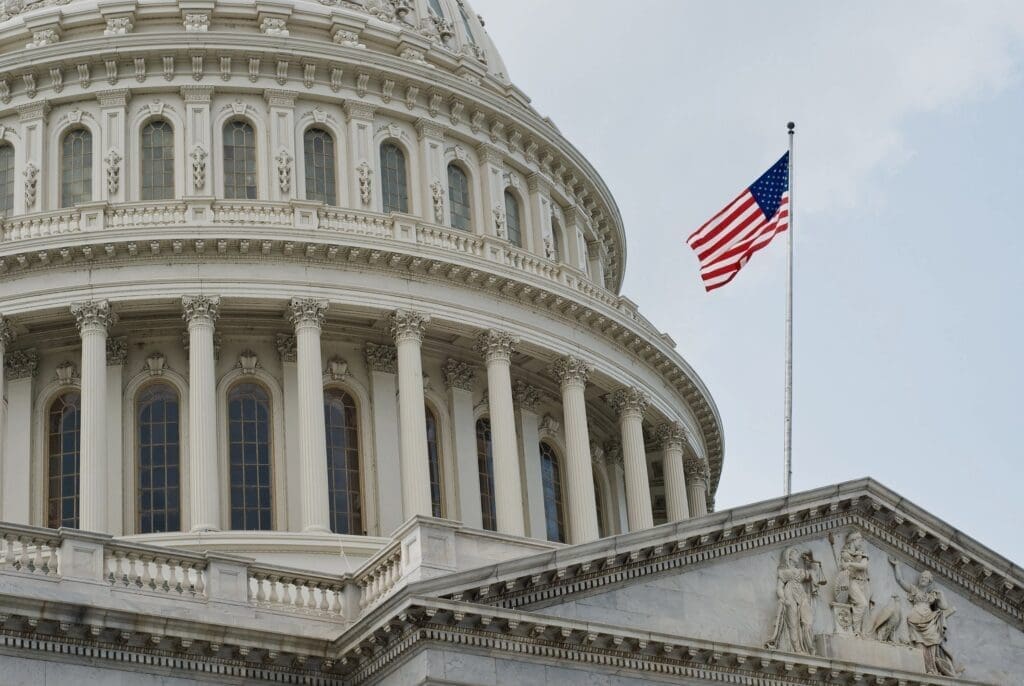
(200,586)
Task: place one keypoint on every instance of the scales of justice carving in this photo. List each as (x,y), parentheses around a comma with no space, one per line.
(799,577)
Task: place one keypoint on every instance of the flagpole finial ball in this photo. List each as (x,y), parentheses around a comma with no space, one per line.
(791,126)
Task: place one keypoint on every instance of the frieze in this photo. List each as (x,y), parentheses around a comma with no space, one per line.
(21,364)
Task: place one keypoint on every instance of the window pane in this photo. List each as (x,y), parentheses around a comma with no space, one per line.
(64,435)
(239,161)
(318,146)
(485,466)
(343,479)
(76,168)
(249,456)
(515,232)
(393,179)
(158,448)
(551,476)
(435,7)
(6,180)
(458,198)
(157,161)
(434,462)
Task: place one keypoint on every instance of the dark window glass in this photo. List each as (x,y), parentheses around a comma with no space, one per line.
(465,23)
(239,161)
(393,179)
(249,450)
(159,486)
(318,146)
(485,466)
(556,241)
(602,529)
(458,198)
(157,161)
(64,432)
(435,7)
(6,180)
(76,168)
(551,479)
(343,483)
(515,231)
(434,461)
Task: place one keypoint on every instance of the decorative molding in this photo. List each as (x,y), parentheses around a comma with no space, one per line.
(7,335)
(337,369)
(382,358)
(310,311)
(286,347)
(118,26)
(408,325)
(203,309)
(248,362)
(670,434)
(31,174)
(571,370)
(195,22)
(461,375)
(21,364)
(284,170)
(198,156)
(526,396)
(627,401)
(274,26)
(113,164)
(67,374)
(117,351)
(93,313)
(496,345)
(696,469)
(156,364)
(348,39)
(365,183)
(437,194)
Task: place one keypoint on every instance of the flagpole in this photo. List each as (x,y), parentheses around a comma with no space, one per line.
(788,440)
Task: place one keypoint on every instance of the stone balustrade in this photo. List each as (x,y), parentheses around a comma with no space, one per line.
(383,572)
(29,550)
(155,569)
(289,590)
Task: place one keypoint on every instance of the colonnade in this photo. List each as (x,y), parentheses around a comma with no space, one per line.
(686,475)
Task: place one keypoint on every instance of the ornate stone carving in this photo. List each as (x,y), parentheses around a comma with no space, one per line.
(198,156)
(117,351)
(156,364)
(307,311)
(696,468)
(571,370)
(669,434)
(525,395)
(549,248)
(201,307)
(349,39)
(496,344)
(407,325)
(799,576)
(284,170)
(93,313)
(853,587)
(21,364)
(365,183)
(31,174)
(274,26)
(609,454)
(437,193)
(42,38)
(926,621)
(499,222)
(113,162)
(337,369)
(382,358)
(67,374)
(118,26)
(382,9)
(286,347)
(248,362)
(460,375)
(6,333)
(196,23)
(549,425)
(628,400)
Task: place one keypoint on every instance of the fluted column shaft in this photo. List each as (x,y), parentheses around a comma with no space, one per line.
(630,405)
(697,477)
(201,313)
(496,347)
(6,337)
(307,315)
(408,328)
(672,438)
(579,473)
(94,319)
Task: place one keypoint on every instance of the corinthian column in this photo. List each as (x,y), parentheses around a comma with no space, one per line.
(697,477)
(572,373)
(629,404)
(201,313)
(94,318)
(407,328)
(672,437)
(307,314)
(496,347)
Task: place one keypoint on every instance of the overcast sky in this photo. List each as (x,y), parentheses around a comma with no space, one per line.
(909,244)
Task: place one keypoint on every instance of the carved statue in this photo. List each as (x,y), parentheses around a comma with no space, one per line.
(887,621)
(799,576)
(853,585)
(927,622)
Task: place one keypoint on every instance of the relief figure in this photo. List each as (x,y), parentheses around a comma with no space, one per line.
(799,576)
(927,622)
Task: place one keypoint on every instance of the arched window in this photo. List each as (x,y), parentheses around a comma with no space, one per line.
(554,507)
(434,461)
(485,466)
(6,180)
(64,432)
(159,463)
(239,161)
(556,241)
(249,457)
(512,225)
(76,167)
(341,418)
(394,190)
(602,528)
(157,161)
(458,198)
(321,184)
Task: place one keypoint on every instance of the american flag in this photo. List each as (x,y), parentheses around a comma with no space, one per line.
(726,241)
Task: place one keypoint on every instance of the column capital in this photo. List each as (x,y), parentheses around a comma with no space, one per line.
(626,401)
(696,468)
(496,344)
(286,347)
(357,110)
(408,325)
(609,454)
(382,358)
(117,351)
(202,309)
(195,94)
(571,370)
(93,314)
(21,364)
(7,335)
(461,375)
(670,434)
(307,311)
(525,395)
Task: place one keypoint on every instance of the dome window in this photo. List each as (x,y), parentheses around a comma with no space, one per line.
(485,467)
(6,180)
(394,181)
(64,438)
(321,174)
(249,457)
(343,462)
(157,161)
(239,161)
(434,462)
(159,462)
(512,219)
(554,503)
(458,198)
(436,9)
(76,168)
